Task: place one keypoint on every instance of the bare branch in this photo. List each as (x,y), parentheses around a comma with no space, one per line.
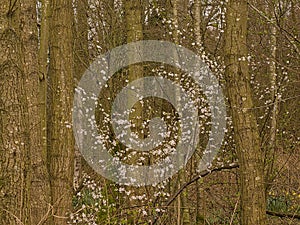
(194,179)
(283,215)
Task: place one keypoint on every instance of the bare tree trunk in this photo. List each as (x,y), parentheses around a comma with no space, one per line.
(197,11)
(270,150)
(180,176)
(134,31)
(61,149)
(81,39)
(15,106)
(197,22)
(253,202)
(39,182)
(81,63)
(43,69)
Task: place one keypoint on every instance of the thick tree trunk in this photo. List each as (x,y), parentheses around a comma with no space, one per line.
(253,203)
(43,71)
(61,149)
(15,106)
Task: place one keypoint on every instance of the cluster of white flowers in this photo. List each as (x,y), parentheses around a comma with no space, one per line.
(91,203)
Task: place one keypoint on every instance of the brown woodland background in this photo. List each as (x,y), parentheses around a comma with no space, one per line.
(252,47)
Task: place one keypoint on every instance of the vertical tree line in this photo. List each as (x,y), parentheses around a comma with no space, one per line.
(252,47)
(246,134)
(37,147)
(15,118)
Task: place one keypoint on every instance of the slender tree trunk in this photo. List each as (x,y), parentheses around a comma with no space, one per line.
(15,106)
(175,55)
(134,31)
(270,150)
(183,215)
(175,21)
(61,149)
(197,22)
(81,63)
(81,29)
(253,202)
(197,12)
(39,180)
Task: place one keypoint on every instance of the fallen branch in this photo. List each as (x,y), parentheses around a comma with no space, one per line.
(282,215)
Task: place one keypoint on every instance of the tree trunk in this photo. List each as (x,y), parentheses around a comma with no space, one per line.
(81,63)
(253,203)
(39,188)
(270,149)
(43,70)
(15,106)
(134,31)
(197,12)
(197,9)
(61,149)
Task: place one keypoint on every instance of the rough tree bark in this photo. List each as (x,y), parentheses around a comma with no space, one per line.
(197,12)
(18,100)
(61,149)
(81,63)
(39,180)
(253,202)
(270,149)
(134,32)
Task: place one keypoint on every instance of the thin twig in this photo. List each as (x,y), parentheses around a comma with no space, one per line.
(235,208)
(17,219)
(46,216)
